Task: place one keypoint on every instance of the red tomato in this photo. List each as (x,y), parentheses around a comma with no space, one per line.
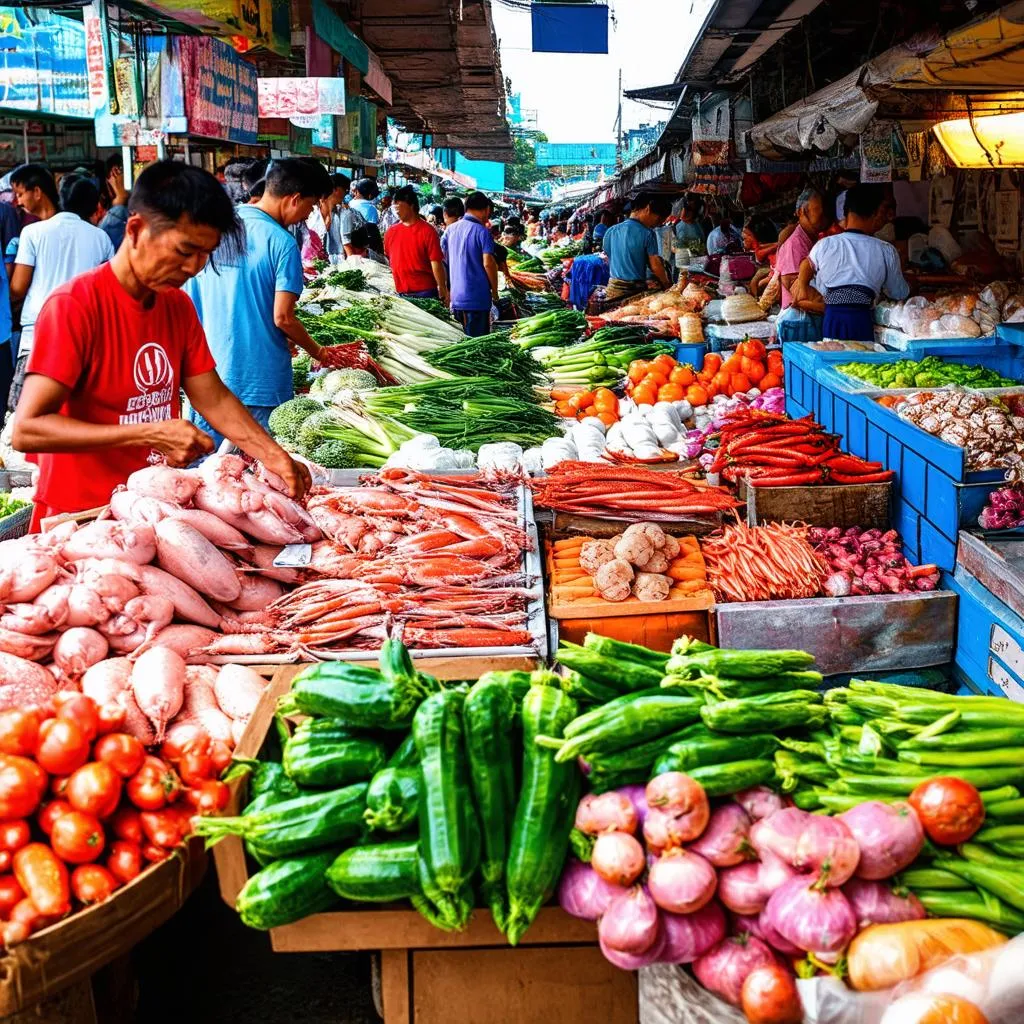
(162,828)
(221,754)
(124,861)
(110,718)
(10,894)
(126,824)
(95,789)
(63,746)
(92,883)
(950,809)
(19,731)
(50,812)
(153,786)
(44,878)
(770,996)
(196,763)
(59,786)
(124,753)
(13,932)
(6,860)
(14,834)
(81,710)
(22,785)
(77,837)
(154,854)
(209,797)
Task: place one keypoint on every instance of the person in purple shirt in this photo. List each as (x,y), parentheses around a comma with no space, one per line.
(469,251)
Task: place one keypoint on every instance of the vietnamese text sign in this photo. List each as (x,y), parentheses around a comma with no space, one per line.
(220,90)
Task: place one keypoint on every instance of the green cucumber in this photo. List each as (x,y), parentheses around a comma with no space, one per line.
(306,823)
(726,779)
(622,676)
(405,755)
(392,801)
(610,648)
(286,891)
(715,748)
(322,752)
(268,785)
(770,711)
(383,873)
(544,812)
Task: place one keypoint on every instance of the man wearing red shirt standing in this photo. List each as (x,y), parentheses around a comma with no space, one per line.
(115,344)
(414,251)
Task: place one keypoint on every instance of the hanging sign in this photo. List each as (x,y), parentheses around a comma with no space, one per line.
(296,97)
(220,90)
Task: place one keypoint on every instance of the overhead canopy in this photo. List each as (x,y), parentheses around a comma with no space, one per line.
(983,57)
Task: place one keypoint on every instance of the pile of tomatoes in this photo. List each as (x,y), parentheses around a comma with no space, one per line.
(84,808)
(578,404)
(750,366)
(664,379)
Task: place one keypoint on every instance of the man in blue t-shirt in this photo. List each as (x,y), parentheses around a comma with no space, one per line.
(469,250)
(246,300)
(632,248)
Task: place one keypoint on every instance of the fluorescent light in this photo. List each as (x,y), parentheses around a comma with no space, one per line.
(984,142)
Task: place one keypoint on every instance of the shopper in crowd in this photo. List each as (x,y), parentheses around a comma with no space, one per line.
(364,193)
(632,248)
(50,254)
(340,184)
(532,224)
(454,210)
(469,251)
(689,235)
(602,226)
(414,251)
(725,236)
(388,214)
(117,343)
(500,252)
(246,301)
(35,193)
(851,270)
(117,215)
(254,179)
(800,321)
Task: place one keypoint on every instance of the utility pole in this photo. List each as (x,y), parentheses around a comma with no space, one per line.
(618,129)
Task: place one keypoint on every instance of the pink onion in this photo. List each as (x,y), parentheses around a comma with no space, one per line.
(726,840)
(890,837)
(630,924)
(780,832)
(680,797)
(739,888)
(876,903)
(724,968)
(768,934)
(634,961)
(608,812)
(773,871)
(666,829)
(638,798)
(759,802)
(582,892)
(681,881)
(618,858)
(810,917)
(827,848)
(689,936)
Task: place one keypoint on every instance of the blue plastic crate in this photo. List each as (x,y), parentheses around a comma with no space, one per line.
(936,549)
(990,638)
(693,354)
(794,409)
(1005,357)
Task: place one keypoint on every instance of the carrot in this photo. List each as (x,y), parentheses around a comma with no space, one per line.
(567,563)
(685,572)
(693,587)
(570,543)
(569,575)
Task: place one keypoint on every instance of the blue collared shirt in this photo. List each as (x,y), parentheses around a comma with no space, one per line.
(464,245)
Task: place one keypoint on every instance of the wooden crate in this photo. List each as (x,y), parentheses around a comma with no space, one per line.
(877,633)
(556,976)
(866,505)
(568,524)
(996,563)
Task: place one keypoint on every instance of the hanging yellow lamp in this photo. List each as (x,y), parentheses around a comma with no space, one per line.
(992,141)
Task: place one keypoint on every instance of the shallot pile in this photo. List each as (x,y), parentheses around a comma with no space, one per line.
(762,563)
(735,887)
(868,562)
(1004,509)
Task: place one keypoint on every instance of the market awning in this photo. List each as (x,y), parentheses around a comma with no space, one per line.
(984,56)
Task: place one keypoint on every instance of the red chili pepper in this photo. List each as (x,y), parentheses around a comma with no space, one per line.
(853,465)
(866,478)
(790,480)
(917,571)
(768,454)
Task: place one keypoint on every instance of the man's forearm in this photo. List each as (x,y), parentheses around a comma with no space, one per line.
(297,334)
(228,416)
(53,432)
(492,276)
(658,266)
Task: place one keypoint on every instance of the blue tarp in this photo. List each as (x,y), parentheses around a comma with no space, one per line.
(570,27)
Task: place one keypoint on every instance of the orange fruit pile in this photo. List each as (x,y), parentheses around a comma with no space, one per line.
(750,366)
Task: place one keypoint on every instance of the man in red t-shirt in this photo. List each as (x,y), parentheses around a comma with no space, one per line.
(414,250)
(114,345)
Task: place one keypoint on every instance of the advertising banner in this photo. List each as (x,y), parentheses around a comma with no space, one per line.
(297,97)
(220,90)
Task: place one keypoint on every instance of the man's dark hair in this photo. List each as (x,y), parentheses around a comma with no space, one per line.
(479,202)
(406,194)
(607,218)
(30,176)
(305,178)
(864,200)
(563,227)
(169,190)
(454,207)
(79,195)
(361,237)
(366,188)
(254,179)
(659,205)
(234,179)
(111,163)
(342,181)
(763,229)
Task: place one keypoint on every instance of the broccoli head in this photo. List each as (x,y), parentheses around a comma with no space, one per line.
(302,364)
(332,455)
(286,419)
(311,431)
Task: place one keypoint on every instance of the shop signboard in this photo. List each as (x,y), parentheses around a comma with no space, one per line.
(220,90)
(570,27)
(247,23)
(297,97)
(43,64)
(576,154)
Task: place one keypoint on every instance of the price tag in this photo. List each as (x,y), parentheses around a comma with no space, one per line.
(1002,644)
(294,556)
(1005,681)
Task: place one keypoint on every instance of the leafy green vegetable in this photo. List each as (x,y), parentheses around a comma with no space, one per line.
(286,419)
(10,505)
(930,372)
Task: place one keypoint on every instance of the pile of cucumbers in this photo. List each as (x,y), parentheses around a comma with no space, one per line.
(395,787)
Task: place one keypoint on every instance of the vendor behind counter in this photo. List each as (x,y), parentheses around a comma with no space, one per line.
(633,250)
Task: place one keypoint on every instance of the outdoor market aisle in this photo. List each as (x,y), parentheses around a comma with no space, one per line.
(235,978)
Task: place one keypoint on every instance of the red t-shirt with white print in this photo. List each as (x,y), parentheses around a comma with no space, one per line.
(124,363)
